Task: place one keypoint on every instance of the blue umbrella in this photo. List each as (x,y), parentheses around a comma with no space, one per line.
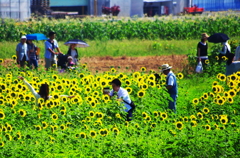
(36,36)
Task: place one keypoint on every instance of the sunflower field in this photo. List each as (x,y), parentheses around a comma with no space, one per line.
(93,125)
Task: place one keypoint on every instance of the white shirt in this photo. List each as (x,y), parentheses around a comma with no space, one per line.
(123,94)
(226,47)
(170,79)
(73,55)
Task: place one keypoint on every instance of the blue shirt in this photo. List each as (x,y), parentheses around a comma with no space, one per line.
(22,50)
(48,45)
(172,81)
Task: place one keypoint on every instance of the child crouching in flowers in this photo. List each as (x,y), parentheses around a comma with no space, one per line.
(43,91)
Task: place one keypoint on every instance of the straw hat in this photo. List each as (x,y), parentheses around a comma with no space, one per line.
(165,67)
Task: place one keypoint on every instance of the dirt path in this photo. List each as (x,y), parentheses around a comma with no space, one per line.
(178,62)
(135,63)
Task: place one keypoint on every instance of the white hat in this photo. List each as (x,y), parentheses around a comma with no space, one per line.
(165,67)
(23,37)
(69,58)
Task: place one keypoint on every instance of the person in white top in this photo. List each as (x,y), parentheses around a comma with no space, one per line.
(122,95)
(237,54)
(43,92)
(72,51)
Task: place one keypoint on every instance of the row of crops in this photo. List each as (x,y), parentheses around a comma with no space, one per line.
(182,28)
(92,124)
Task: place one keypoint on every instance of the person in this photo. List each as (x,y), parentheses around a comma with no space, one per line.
(237,54)
(226,49)
(122,95)
(72,51)
(43,91)
(50,55)
(33,57)
(21,52)
(171,85)
(202,49)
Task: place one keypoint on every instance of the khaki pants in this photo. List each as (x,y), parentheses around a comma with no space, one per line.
(50,62)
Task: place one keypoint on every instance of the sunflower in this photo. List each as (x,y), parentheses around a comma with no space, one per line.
(230,100)
(205,110)
(208,127)
(224,58)
(115,130)
(93,104)
(1,61)
(144,86)
(143,69)
(91,114)
(44,124)
(129,90)
(18,135)
(140,93)
(118,115)
(38,127)
(153,125)
(62,127)
(103,132)
(82,135)
(185,119)
(179,125)
(224,120)
(14,57)
(2,115)
(99,115)
(222,77)
(217,58)
(180,76)
(148,118)
(195,101)
(113,70)
(232,93)
(8,136)
(200,115)
(194,123)
(136,74)
(144,115)
(220,101)
(205,95)
(164,115)
(193,118)
(126,123)
(93,134)
(152,83)
(54,116)
(22,113)
(207,61)
(155,113)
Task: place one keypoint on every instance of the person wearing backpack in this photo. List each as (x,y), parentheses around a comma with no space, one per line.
(50,53)
(124,96)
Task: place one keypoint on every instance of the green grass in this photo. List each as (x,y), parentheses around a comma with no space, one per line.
(135,47)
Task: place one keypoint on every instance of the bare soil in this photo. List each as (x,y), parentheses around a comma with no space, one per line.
(123,64)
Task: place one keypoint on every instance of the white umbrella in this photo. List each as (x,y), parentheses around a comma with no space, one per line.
(79,43)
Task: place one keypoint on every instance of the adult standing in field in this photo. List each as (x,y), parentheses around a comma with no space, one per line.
(21,52)
(50,54)
(171,85)
(226,50)
(72,51)
(32,54)
(123,96)
(202,49)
